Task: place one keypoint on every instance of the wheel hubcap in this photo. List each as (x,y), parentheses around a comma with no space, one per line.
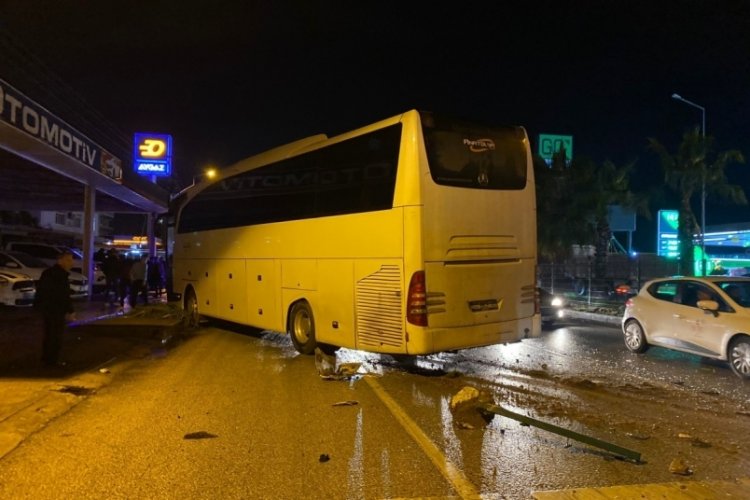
(633,336)
(192,307)
(741,358)
(302,326)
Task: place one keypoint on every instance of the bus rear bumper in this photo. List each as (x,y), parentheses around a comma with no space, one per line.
(432,340)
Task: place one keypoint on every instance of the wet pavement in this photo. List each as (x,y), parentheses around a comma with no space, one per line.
(540,384)
(101,342)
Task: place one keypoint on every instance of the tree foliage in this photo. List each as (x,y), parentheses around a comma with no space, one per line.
(573,203)
(685,172)
(559,224)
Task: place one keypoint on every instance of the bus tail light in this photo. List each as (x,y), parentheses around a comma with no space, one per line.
(416,301)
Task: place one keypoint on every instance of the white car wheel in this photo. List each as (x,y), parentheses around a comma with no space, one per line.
(739,357)
(635,339)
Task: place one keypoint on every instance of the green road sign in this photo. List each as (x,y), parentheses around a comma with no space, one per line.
(550,144)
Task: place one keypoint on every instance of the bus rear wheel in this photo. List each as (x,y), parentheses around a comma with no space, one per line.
(302,327)
(191,309)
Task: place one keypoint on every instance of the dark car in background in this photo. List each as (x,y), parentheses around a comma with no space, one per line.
(552,307)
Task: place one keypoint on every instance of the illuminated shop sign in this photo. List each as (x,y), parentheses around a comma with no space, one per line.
(22,113)
(152,154)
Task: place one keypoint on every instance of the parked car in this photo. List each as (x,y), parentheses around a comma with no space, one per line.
(551,306)
(16,289)
(48,253)
(707,316)
(624,290)
(19,262)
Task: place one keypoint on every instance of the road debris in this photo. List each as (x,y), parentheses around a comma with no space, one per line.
(346,403)
(470,399)
(328,370)
(699,443)
(324,458)
(104,370)
(200,435)
(76,390)
(680,467)
(466,407)
(639,437)
(694,441)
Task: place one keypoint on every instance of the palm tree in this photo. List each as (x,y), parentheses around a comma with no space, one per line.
(685,172)
(598,187)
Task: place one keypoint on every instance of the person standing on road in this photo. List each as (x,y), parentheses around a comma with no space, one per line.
(100,255)
(138,274)
(111,270)
(53,301)
(123,281)
(154,277)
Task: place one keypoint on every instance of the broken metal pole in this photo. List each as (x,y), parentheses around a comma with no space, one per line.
(614,449)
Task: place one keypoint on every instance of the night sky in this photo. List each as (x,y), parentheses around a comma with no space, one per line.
(231,79)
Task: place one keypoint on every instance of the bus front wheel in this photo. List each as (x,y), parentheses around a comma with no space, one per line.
(191,309)
(302,327)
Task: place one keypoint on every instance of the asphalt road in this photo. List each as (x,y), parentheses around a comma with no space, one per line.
(236,414)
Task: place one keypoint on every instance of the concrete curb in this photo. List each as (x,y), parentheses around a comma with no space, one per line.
(595,317)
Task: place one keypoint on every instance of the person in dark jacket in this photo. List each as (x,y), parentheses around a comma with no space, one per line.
(111,270)
(124,279)
(53,301)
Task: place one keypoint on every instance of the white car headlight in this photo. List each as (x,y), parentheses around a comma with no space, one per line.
(557,302)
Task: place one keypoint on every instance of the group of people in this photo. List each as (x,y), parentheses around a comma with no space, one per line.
(130,279)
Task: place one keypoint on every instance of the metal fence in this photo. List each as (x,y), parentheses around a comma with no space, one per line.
(575,276)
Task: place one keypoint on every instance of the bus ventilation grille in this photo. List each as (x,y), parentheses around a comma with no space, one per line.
(379,316)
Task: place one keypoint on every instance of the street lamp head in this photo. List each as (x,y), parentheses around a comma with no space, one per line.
(677,96)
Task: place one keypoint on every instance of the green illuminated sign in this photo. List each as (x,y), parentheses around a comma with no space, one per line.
(550,144)
(667,239)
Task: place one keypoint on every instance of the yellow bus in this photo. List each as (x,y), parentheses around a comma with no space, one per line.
(413,235)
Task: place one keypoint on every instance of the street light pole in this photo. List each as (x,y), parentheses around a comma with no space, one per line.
(209,173)
(703,187)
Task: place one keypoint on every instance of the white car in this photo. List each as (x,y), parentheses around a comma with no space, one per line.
(19,262)
(16,289)
(707,316)
(47,253)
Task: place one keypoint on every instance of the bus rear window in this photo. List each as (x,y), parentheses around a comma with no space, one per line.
(473,156)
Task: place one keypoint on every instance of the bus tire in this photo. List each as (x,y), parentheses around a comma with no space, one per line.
(193,317)
(302,327)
